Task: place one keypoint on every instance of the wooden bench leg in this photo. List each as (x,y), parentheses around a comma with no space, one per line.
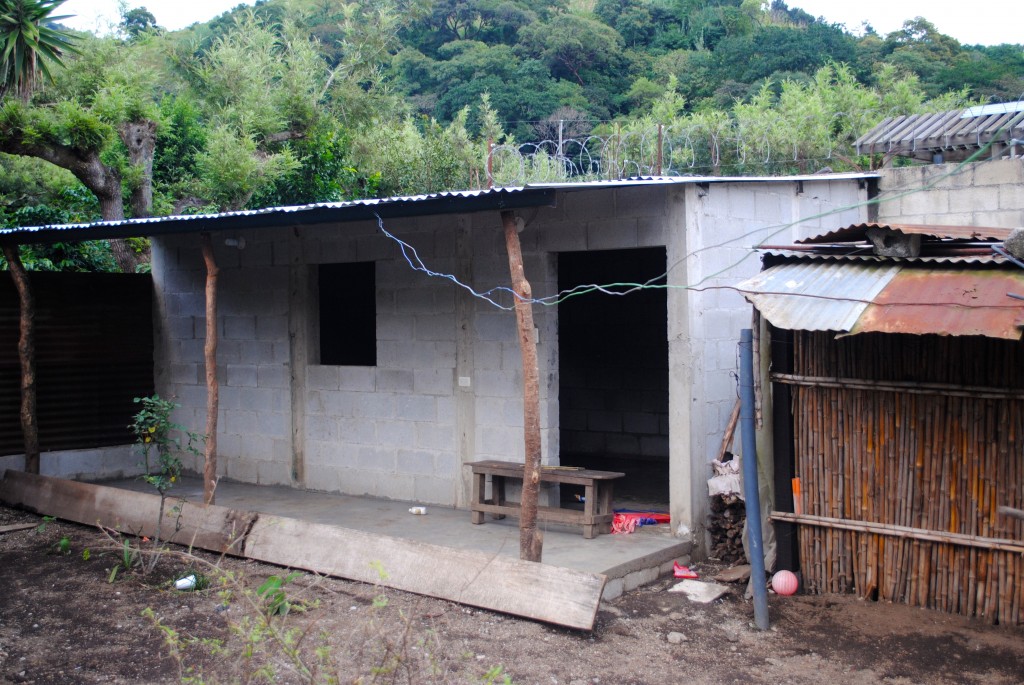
(604,504)
(589,507)
(479,483)
(498,493)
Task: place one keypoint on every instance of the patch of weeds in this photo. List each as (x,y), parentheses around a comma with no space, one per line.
(276,634)
(63,546)
(496,676)
(129,558)
(47,520)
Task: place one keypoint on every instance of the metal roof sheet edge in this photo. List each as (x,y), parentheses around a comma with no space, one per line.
(855,232)
(443,202)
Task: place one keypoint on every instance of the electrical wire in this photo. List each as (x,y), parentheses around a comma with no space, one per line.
(507,293)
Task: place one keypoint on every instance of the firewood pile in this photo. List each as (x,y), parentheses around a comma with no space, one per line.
(725,524)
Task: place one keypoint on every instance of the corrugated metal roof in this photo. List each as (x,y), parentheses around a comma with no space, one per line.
(448,202)
(656,180)
(859,297)
(992,258)
(948,302)
(859,232)
(922,135)
(317,213)
(998,108)
(816,296)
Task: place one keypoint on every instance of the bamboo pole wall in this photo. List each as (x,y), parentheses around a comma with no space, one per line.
(924,460)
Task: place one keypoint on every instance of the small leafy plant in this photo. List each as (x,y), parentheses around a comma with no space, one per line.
(129,559)
(158,439)
(162,443)
(63,545)
(271,592)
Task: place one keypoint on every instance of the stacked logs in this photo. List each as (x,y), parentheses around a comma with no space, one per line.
(725,524)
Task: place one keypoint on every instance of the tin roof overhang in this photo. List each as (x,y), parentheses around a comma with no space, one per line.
(278,217)
(448,202)
(857,297)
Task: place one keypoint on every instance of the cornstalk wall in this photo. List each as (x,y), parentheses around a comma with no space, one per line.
(922,435)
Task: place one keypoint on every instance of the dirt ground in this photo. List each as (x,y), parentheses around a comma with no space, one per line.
(61,621)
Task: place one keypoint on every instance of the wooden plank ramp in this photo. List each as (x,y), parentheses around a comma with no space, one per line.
(536,591)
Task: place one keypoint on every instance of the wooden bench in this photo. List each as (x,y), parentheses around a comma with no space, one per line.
(598,486)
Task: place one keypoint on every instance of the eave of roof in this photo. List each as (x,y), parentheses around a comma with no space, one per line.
(300,215)
(859,232)
(449,202)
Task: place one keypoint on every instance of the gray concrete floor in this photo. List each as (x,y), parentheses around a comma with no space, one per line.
(613,555)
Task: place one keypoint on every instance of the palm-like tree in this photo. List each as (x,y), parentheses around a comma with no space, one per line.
(29,42)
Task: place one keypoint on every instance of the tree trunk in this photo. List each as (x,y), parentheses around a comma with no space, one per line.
(123,255)
(103,181)
(530,540)
(27,357)
(212,387)
(140,139)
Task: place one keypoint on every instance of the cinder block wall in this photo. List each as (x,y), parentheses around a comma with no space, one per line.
(121,461)
(989,193)
(725,222)
(254,425)
(391,430)
(447,387)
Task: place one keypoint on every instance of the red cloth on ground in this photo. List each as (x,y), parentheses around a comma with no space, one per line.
(627,521)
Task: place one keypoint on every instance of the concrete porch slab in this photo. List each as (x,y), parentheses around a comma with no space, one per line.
(628,561)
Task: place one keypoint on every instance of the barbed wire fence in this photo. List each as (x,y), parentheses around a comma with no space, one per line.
(711,146)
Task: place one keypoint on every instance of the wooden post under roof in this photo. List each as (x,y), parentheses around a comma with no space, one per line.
(212,386)
(27,357)
(530,540)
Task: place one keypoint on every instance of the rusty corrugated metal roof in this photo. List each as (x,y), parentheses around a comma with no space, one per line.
(859,232)
(816,296)
(858,297)
(945,301)
(969,258)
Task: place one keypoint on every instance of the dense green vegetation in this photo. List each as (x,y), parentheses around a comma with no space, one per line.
(295,101)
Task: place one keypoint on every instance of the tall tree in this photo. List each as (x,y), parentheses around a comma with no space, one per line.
(29,43)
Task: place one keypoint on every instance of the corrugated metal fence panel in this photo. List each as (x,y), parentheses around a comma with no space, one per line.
(94,355)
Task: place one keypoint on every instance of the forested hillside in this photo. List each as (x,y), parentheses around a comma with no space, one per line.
(295,101)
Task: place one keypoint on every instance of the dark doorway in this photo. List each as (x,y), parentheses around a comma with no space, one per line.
(613,372)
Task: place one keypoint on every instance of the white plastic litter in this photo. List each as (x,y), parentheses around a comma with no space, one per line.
(726,480)
(186,583)
(699,591)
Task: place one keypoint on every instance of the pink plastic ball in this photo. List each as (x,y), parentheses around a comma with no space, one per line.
(785,583)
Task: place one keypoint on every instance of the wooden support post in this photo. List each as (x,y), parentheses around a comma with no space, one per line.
(212,386)
(530,540)
(27,357)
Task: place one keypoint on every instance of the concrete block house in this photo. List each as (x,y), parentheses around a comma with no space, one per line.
(346,367)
